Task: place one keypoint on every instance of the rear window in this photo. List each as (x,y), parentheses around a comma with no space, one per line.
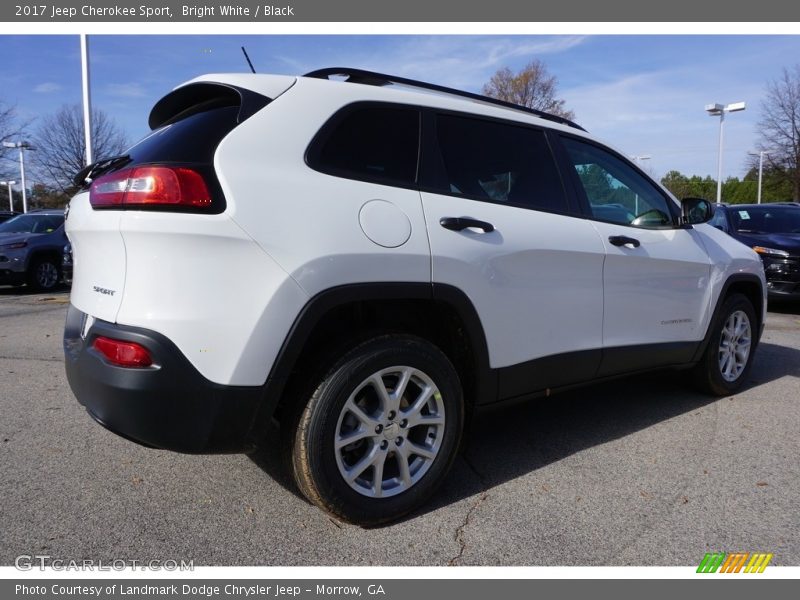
(370,143)
(193,139)
(498,162)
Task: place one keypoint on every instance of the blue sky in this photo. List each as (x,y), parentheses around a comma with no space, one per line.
(642,94)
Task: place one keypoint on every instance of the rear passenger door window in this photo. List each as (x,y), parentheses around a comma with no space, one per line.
(372,143)
(497,162)
(535,274)
(615,191)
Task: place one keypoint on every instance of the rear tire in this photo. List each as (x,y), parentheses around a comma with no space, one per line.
(726,362)
(44,274)
(380,431)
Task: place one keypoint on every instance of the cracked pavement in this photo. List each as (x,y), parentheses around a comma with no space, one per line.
(641,471)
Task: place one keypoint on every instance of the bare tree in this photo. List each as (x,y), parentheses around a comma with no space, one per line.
(533,87)
(780,128)
(61,148)
(10,131)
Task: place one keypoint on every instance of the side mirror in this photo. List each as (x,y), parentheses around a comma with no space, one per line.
(696,210)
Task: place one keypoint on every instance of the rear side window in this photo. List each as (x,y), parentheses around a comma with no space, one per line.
(498,162)
(370,143)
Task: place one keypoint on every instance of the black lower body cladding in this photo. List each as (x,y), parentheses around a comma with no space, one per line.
(170,406)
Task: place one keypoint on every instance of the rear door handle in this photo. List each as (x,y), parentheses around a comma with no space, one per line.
(623,240)
(462,223)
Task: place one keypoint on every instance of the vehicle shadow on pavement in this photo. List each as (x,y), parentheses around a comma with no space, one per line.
(506,443)
(785,307)
(25,290)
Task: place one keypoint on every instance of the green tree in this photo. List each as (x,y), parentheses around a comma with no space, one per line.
(775,187)
(703,187)
(695,186)
(596,182)
(677,183)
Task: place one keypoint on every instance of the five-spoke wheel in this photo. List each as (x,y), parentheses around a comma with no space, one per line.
(724,366)
(380,431)
(389,431)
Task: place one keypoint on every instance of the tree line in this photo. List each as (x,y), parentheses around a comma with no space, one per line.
(774,187)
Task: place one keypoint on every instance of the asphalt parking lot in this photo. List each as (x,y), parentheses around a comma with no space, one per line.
(636,472)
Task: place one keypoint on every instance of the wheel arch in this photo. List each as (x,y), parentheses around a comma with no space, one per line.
(39,253)
(338,318)
(750,286)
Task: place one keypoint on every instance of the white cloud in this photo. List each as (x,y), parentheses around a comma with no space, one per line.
(661,113)
(459,62)
(125,90)
(449,60)
(47,87)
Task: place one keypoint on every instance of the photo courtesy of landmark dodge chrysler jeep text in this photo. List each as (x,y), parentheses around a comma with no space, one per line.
(363,261)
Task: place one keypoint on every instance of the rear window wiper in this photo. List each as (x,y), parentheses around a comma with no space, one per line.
(94,170)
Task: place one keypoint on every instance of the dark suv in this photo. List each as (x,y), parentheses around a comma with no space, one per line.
(31,246)
(773,231)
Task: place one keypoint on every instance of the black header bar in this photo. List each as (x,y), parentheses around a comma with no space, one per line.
(439,11)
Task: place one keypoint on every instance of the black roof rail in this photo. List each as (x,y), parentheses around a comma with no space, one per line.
(381,79)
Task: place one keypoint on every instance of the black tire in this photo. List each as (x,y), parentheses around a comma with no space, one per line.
(44,274)
(708,375)
(319,467)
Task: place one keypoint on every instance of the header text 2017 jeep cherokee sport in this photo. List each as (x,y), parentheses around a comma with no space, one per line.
(364,260)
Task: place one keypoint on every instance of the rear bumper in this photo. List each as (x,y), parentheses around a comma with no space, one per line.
(169,405)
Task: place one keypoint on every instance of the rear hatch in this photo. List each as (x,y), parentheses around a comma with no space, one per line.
(171,170)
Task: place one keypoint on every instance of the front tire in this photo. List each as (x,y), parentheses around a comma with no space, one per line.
(380,431)
(729,355)
(44,274)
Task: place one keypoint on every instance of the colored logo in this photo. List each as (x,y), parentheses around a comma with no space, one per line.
(734,562)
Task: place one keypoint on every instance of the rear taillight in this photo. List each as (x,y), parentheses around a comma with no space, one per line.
(150,186)
(122,353)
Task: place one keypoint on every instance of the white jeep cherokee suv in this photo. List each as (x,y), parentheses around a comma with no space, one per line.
(365,261)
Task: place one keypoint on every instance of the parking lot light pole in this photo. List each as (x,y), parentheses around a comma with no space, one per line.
(719,110)
(760,154)
(10,197)
(87,99)
(22,146)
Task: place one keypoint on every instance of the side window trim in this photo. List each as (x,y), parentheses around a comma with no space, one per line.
(313,151)
(580,193)
(569,178)
(432,169)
